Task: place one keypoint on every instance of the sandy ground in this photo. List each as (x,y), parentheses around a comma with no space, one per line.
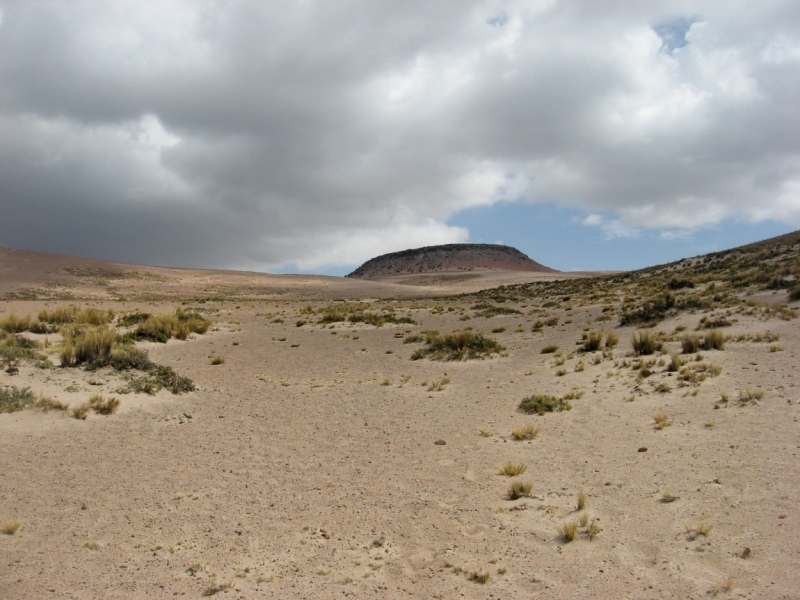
(309,467)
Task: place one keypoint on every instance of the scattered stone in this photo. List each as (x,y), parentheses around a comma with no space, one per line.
(642,449)
(440,442)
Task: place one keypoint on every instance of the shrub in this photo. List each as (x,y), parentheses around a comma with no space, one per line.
(459,345)
(541,404)
(160,328)
(132,319)
(13,399)
(159,377)
(126,357)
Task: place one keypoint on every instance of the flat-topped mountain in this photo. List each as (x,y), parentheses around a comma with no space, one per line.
(449,258)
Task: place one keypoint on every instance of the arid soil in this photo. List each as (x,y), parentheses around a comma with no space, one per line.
(306,465)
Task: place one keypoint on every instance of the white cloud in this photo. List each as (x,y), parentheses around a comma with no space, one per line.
(593,220)
(318,133)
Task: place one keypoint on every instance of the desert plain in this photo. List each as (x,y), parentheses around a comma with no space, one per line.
(316,459)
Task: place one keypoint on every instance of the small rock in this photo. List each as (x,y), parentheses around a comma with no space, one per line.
(642,449)
(440,442)
(745,553)
(187,415)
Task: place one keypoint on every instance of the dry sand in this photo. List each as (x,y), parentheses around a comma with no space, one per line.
(308,468)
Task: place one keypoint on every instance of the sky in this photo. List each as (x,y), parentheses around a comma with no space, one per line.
(309,136)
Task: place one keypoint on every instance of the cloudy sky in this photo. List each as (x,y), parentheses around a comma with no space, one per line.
(311,135)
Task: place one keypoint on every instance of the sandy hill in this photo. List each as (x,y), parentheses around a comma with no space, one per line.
(32,275)
(449,258)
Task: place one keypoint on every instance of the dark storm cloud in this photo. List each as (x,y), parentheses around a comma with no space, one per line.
(255,134)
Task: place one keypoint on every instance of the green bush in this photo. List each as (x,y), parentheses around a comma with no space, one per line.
(13,399)
(459,345)
(542,403)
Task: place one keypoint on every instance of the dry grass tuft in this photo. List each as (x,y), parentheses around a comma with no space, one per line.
(479,577)
(644,342)
(10,527)
(80,412)
(103,406)
(549,349)
(438,386)
(216,360)
(485,432)
(512,469)
(661,420)
(519,490)
(46,404)
(667,497)
(581,501)
(750,396)
(528,432)
(568,530)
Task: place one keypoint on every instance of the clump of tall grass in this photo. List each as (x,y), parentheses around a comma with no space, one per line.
(73,315)
(644,342)
(690,344)
(160,328)
(103,406)
(714,340)
(592,341)
(14,324)
(458,345)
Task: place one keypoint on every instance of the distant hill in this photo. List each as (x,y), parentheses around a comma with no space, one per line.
(449,258)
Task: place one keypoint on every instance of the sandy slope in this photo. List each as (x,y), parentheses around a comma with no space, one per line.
(301,475)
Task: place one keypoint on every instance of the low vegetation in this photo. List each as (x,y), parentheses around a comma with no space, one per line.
(458,345)
(543,403)
(518,490)
(512,469)
(528,432)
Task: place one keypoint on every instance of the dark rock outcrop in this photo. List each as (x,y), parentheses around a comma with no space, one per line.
(449,258)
